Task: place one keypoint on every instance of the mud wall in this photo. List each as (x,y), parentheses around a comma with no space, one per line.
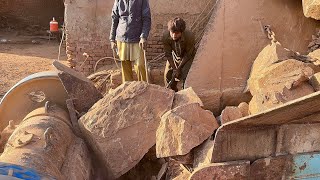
(88,26)
(233,40)
(18,14)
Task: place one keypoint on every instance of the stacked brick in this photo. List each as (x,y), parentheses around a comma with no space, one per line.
(98,48)
(84,55)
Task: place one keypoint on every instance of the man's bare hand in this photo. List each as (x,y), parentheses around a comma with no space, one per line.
(143,44)
(113,45)
(178,73)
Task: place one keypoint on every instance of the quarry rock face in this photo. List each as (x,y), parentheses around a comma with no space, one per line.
(184,128)
(311,8)
(121,127)
(234,39)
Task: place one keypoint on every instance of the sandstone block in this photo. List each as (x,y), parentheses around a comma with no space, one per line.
(230,113)
(315,55)
(177,171)
(78,87)
(244,108)
(186,96)
(315,81)
(311,8)
(264,101)
(269,55)
(290,73)
(184,128)
(203,154)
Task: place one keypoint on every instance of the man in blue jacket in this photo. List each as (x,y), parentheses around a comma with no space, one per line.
(131,24)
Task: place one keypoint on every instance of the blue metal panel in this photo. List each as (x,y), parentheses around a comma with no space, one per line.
(21,172)
(306,166)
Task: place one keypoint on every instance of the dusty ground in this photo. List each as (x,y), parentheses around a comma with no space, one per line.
(20,58)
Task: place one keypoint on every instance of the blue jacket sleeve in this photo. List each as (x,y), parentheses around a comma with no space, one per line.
(146,19)
(115,21)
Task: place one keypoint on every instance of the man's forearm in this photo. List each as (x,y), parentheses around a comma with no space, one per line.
(184,61)
(146,20)
(113,30)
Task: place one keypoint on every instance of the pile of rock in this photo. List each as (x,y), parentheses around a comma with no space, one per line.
(278,76)
(125,124)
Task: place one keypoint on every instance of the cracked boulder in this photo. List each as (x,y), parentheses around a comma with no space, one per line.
(184,128)
(278,83)
(121,127)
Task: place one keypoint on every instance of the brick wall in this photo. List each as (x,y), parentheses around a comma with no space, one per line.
(94,39)
(96,49)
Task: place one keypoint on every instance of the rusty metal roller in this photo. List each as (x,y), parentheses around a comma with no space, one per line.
(34,117)
(29,94)
(41,141)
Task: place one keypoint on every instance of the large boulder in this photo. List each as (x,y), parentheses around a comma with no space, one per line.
(290,73)
(184,128)
(269,55)
(278,83)
(311,8)
(121,127)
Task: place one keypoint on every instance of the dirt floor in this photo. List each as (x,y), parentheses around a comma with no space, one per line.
(21,56)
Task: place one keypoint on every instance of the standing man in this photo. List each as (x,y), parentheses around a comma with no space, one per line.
(131,23)
(179,48)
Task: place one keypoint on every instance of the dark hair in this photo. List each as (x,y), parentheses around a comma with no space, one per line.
(176,25)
